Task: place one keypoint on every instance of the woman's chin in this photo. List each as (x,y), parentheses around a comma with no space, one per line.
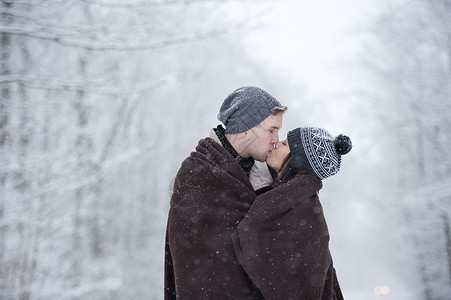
(272,165)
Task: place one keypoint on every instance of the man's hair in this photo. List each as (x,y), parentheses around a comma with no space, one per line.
(279,110)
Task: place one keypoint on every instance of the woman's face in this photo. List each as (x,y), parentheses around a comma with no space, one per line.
(277,156)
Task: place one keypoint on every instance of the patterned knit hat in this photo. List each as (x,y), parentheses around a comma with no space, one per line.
(317,151)
(246,107)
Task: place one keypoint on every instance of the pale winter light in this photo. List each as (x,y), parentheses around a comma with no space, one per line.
(381,290)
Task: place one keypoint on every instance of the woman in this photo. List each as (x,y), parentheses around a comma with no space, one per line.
(283,242)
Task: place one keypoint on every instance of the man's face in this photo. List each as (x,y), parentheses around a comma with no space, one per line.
(262,137)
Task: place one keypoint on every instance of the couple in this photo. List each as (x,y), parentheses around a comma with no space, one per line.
(240,230)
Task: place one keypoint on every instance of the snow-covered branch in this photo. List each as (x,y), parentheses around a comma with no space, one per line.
(99,88)
(89,42)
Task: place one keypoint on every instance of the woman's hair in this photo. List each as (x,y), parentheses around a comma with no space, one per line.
(287,171)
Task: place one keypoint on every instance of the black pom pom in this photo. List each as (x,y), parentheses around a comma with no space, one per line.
(342,144)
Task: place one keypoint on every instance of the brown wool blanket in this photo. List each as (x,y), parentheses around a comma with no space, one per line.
(223,242)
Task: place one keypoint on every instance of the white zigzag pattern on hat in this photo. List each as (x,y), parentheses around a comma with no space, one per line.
(320,152)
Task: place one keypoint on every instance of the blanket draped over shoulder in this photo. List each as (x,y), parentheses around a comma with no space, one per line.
(224,242)
(211,195)
(283,243)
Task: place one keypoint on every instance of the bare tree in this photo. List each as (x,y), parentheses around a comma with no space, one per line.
(5,43)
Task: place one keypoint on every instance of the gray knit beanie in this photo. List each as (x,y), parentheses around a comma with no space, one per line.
(246,107)
(317,151)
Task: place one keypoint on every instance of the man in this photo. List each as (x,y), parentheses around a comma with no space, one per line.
(212,194)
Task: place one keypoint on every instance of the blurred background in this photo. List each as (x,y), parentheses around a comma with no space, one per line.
(101,100)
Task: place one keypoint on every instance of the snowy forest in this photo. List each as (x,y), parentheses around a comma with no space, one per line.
(101,100)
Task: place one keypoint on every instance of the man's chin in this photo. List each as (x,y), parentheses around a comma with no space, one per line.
(262,159)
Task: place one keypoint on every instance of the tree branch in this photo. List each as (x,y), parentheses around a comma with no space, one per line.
(98,88)
(78,40)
